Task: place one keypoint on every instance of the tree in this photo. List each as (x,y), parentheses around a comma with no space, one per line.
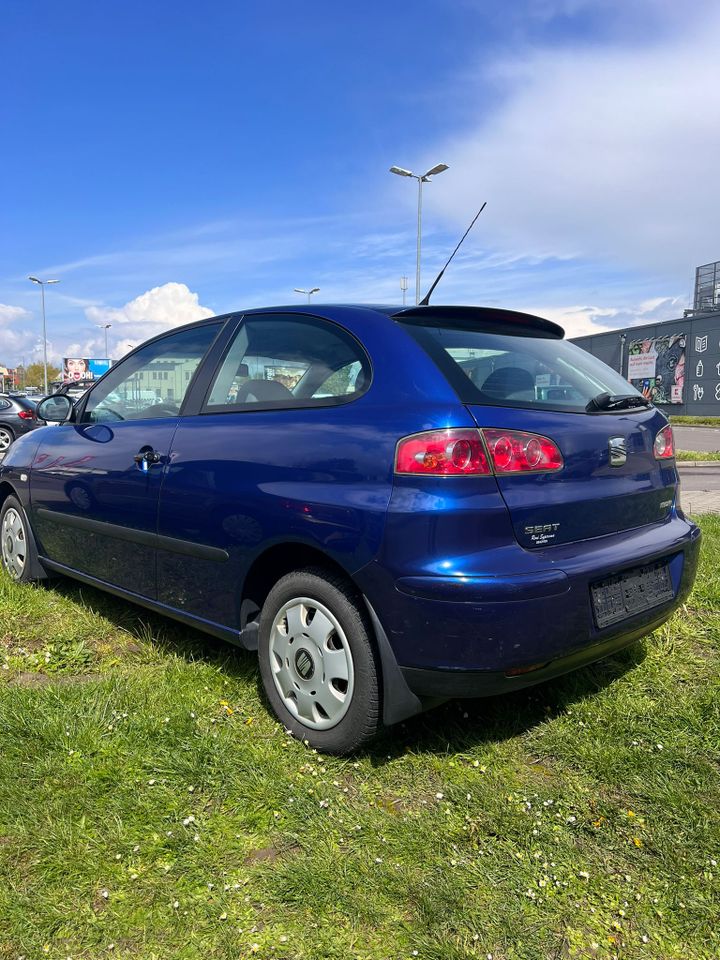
(35,376)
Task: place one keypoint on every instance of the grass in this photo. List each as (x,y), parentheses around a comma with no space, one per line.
(696,455)
(151,808)
(696,421)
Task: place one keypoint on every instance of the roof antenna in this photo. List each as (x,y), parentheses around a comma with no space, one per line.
(426,299)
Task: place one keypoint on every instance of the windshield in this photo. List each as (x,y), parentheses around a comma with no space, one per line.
(526,370)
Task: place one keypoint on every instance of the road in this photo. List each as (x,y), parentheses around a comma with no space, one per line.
(706,439)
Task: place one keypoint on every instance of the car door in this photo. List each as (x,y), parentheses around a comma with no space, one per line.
(278,452)
(95,481)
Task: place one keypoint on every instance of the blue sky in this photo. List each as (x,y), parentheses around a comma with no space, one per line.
(171,160)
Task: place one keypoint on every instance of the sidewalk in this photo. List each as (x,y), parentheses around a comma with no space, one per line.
(700,501)
(700,486)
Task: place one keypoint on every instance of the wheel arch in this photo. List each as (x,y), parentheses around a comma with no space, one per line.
(7,490)
(36,569)
(275,562)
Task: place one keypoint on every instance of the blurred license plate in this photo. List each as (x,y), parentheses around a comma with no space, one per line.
(629,593)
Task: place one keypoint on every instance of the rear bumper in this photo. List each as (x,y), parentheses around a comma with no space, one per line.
(459,635)
(487,683)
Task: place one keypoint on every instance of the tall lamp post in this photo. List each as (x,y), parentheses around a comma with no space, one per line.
(403,287)
(42,291)
(308,292)
(421,179)
(105,327)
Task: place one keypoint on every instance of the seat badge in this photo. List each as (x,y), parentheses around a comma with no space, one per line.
(618,451)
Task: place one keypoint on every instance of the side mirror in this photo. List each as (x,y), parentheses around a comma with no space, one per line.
(55,409)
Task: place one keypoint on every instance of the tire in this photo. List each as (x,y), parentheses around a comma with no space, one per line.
(6,438)
(17,547)
(318,662)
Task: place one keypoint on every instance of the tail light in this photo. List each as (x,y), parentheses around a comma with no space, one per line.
(664,446)
(514,451)
(443,453)
(468,452)
(26,414)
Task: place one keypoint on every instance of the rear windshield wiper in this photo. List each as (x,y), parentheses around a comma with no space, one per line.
(609,401)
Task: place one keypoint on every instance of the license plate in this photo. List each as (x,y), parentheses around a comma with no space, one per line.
(629,593)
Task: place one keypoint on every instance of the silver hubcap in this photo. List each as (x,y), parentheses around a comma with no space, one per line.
(311,663)
(14,544)
(5,439)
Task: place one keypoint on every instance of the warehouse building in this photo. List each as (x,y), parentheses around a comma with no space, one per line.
(676,363)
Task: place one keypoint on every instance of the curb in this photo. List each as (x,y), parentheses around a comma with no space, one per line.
(698,464)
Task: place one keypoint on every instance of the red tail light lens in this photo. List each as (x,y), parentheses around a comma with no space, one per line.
(664,446)
(26,414)
(443,453)
(514,451)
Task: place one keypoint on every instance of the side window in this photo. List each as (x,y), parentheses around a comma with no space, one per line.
(4,404)
(280,361)
(151,383)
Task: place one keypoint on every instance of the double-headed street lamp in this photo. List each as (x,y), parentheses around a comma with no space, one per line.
(308,292)
(105,327)
(421,179)
(42,290)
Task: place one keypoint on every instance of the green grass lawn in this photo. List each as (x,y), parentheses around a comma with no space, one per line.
(696,421)
(696,455)
(151,808)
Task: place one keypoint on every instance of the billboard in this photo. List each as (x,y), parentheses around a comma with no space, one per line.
(656,367)
(83,368)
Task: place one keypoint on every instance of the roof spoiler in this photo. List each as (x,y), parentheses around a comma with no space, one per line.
(478,317)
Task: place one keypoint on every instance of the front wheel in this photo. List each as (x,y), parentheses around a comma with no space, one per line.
(318,662)
(16,544)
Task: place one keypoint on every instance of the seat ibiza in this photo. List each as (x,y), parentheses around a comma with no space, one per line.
(393,507)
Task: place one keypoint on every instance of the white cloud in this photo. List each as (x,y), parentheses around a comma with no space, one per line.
(599,152)
(581,321)
(162,308)
(18,337)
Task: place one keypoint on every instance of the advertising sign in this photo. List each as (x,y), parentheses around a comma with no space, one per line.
(656,367)
(83,368)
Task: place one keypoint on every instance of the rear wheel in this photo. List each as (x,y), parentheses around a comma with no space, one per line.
(317,661)
(6,438)
(16,544)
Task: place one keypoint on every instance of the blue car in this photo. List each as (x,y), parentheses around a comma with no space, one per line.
(392,506)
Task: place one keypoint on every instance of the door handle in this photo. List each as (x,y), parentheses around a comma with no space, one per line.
(147,458)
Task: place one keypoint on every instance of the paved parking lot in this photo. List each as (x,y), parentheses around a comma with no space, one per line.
(700,487)
(706,439)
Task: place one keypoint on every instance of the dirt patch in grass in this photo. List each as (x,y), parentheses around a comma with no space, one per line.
(271,854)
(37,679)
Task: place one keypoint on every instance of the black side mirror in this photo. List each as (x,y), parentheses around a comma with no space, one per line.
(55,409)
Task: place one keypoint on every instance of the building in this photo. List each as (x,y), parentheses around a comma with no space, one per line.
(675,363)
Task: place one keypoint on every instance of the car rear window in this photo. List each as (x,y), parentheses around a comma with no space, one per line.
(527,368)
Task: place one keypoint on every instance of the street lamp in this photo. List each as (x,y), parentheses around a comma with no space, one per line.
(105,327)
(308,292)
(421,179)
(42,290)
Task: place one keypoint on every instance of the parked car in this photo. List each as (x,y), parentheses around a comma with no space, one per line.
(72,388)
(17,416)
(337,492)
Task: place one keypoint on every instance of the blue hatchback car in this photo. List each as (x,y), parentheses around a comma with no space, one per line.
(392,506)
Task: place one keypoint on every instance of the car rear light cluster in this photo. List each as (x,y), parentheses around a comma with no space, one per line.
(443,453)
(664,446)
(26,414)
(463,452)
